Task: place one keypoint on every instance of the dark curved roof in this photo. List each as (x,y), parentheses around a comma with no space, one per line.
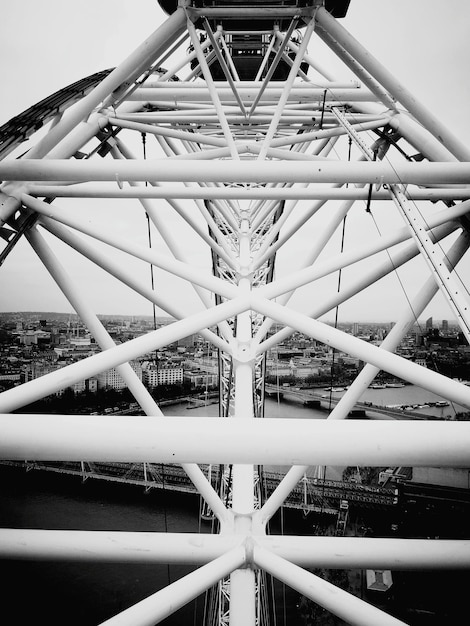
(20,127)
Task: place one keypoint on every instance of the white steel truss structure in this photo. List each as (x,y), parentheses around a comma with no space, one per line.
(234,140)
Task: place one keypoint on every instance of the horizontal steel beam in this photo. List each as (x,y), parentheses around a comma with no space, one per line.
(244,440)
(197,549)
(237,171)
(242,193)
(254,85)
(244,12)
(341,603)
(156,607)
(202,94)
(102,361)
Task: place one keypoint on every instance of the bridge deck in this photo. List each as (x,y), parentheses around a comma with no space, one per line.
(310,494)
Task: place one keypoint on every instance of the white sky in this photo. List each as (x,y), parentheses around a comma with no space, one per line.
(47,45)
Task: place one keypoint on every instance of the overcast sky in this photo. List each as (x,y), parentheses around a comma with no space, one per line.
(47,45)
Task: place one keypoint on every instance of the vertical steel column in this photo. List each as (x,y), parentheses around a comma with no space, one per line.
(243,582)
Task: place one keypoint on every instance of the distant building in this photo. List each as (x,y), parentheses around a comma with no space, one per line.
(92,385)
(112,379)
(34,337)
(197,378)
(154,376)
(187,342)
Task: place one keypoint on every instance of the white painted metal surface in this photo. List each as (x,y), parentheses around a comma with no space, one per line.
(244,168)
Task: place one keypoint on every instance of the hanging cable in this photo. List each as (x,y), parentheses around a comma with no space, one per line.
(349,154)
(149,234)
(395,270)
(323,109)
(338,290)
(369,195)
(144,149)
(336,317)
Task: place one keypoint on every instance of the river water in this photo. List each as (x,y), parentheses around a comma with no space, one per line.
(74,594)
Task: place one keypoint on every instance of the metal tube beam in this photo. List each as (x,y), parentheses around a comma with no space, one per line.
(251,86)
(223,64)
(265,60)
(297,94)
(270,72)
(219,246)
(258,119)
(27,544)
(392,363)
(309,274)
(128,71)
(374,173)
(182,270)
(167,132)
(287,86)
(126,277)
(272,243)
(160,605)
(449,284)
(90,319)
(277,441)
(109,546)
(369,552)
(368,372)
(339,602)
(212,90)
(280,494)
(393,339)
(393,86)
(313,64)
(419,137)
(264,12)
(140,393)
(60,379)
(243,582)
(364,280)
(96,190)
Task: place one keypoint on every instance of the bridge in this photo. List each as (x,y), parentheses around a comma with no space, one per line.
(310,495)
(325,401)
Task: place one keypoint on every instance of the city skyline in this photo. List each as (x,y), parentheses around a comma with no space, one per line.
(417,61)
(160,319)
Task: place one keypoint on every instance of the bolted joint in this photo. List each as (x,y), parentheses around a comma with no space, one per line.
(243,352)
